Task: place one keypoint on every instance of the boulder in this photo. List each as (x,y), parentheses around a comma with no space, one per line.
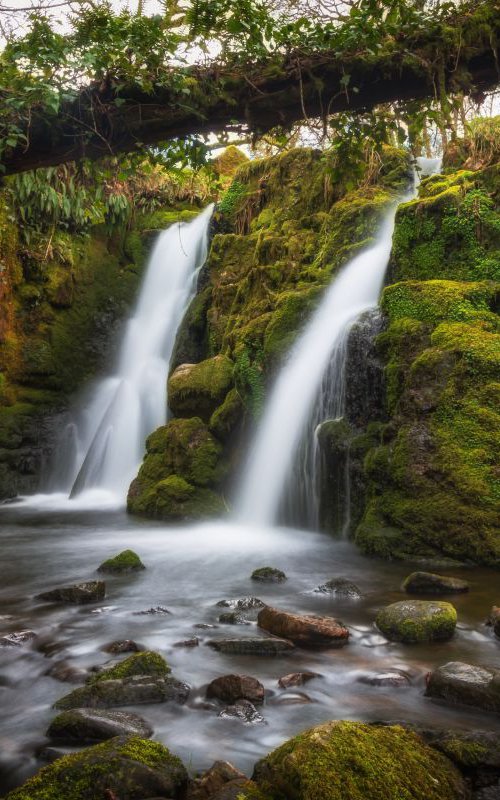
(268,575)
(143,663)
(430,583)
(126,561)
(296,679)
(137,690)
(252,647)
(230,688)
(196,390)
(211,781)
(17,638)
(494,620)
(239,789)
(340,587)
(249,605)
(130,768)
(466,684)
(89,592)
(93,725)
(306,631)
(123,646)
(418,621)
(352,761)
(243,710)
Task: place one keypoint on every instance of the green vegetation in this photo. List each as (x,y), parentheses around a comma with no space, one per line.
(413,621)
(126,561)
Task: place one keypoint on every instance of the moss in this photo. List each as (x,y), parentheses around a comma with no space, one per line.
(413,621)
(144,663)
(197,389)
(291,311)
(341,760)
(175,499)
(227,417)
(126,561)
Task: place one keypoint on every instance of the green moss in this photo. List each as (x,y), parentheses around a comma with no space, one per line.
(291,311)
(227,417)
(126,561)
(413,621)
(197,389)
(144,663)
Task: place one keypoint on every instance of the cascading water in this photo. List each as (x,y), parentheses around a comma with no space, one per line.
(104,447)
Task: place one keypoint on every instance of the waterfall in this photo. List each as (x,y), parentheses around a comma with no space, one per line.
(105,445)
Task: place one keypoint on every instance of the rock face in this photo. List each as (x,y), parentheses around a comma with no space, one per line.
(196,390)
(126,561)
(230,688)
(137,690)
(430,583)
(268,575)
(306,631)
(90,592)
(92,725)
(252,647)
(418,621)
(340,760)
(127,767)
(466,684)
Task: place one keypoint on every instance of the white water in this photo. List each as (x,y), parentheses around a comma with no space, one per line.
(104,448)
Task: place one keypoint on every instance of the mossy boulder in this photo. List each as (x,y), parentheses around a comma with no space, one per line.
(430,583)
(127,767)
(133,690)
(227,418)
(126,561)
(145,662)
(196,390)
(412,621)
(351,761)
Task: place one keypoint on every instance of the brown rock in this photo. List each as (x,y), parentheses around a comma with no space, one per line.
(79,594)
(17,638)
(193,642)
(123,646)
(230,688)
(297,679)
(306,631)
(208,784)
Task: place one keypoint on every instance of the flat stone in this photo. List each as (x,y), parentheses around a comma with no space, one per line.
(268,575)
(252,647)
(306,631)
(17,638)
(418,621)
(431,583)
(466,684)
(297,679)
(89,592)
(340,587)
(93,725)
(243,710)
(389,678)
(230,688)
(136,690)
(123,646)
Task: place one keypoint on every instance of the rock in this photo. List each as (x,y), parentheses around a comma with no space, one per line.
(268,575)
(94,725)
(418,621)
(128,768)
(194,642)
(233,618)
(306,631)
(196,390)
(17,638)
(137,690)
(297,679)
(126,561)
(220,773)
(252,647)
(352,761)
(466,684)
(292,699)
(155,610)
(230,688)
(66,672)
(430,583)
(123,646)
(389,678)
(243,604)
(204,626)
(340,588)
(49,754)
(239,789)
(89,592)
(494,620)
(469,750)
(243,710)
(144,663)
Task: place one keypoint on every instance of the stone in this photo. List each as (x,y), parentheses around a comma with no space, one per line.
(233,618)
(17,638)
(250,605)
(252,647)
(239,789)
(80,594)
(268,575)
(196,390)
(292,699)
(230,688)
(123,767)
(211,781)
(193,642)
(466,684)
(243,710)
(93,725)
(146,662)
(126,561)
(153,610)
(494,620)
(66,672)
(123,646)
(418,621)
(389,678)
(430,583)
(297,679)
(339,587)
(136,690)
(204,626)
(306,631)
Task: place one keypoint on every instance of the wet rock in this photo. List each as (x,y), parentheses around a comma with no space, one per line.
(469,750)
(196,390)
(204,626)
(243,604)
(431,583)
(306,631)
(252,647)
(153,610)
(93,725)
(390,678)
(339,587)
(211,781)
(126,561)
(292,699)
(494,620)
(144,663)
(239,789)
(418,621)
(66,672)
(123,646)
(193,642)
(17,638)
(243,710)
(268,575)
(137,690)
(50,754)
(123,767)
(233,618)
(297,679)
(230,688)
(89,592)
(466,684)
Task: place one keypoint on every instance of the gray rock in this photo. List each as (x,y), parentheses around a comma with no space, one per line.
(340,587)
(243,710)
(297,679)
(466,684)
(154,610)
(17,638)
(66,672)
(89,592)
(93,725)
(233,618)
(431,583)
(193,642)
(230,688)
(123,646)
(250,605)
(418,621)
(268,575)
(252,647)
(137,690)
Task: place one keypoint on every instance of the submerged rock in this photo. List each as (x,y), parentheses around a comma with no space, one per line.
(17,638)
(143,663)
(136,690)
(123,646)
(153,610)
(352,761)
(126,561)
(233,618)
(268,575)
(89,592)
(306,631)
(431,583)
(418,621)
(252,647)
(66,672)
(130,768)
(93,725)
(230,688)
(466,684)
(340,587)
(243,710)
(297,679)
(193,642)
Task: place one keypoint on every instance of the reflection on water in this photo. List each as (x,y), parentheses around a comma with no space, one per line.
(50,541)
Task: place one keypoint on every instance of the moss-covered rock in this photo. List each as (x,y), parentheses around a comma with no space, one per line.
(126,561)
(198,389)
(430,583)
(227,418)
(145,662)
(412,621)
(127,767)
(352,761)
(82,725)
(268,575)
